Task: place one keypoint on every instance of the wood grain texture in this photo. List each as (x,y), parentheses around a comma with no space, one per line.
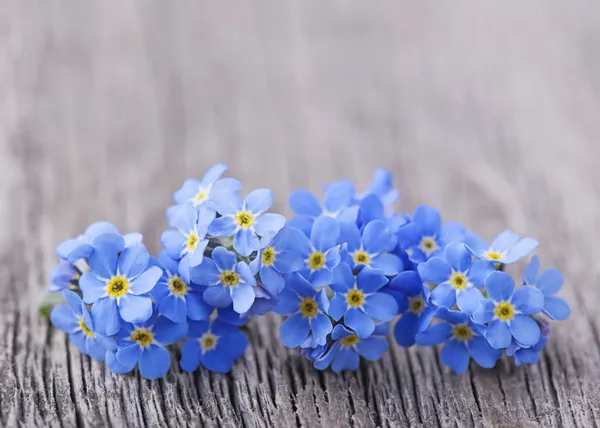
(487,110)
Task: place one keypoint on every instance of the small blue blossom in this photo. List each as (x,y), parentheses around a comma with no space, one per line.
(381,186)
(462,339)
(64,276)
(348,347)
(549,283)
(529,355)
(412,298)
(357,299)
(307,308)
(188,236)
(508,312)
(74,318)
(176,296)
(118,283)
(505,248)
(227,279)
(425,237)
(367,248)
(198,193)
(321,253)
(457,278)
(246,220)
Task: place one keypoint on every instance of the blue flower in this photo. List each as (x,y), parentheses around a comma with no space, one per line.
(358,301)
(339,201)
(508,312)
(275,259)
(549,283)
(505,248)
(462,338)
(529,355)
(73,250)
(412,298)
(320,253)
(187,239)
(348,347)
(117,283)
(176,296)
(227,279)
(203,192)
(64,276)
(246,220)
(382,187)
(368,248)
(458,278)
(424,237)
(144,344)
(214,344)
(308,308)
(74,318)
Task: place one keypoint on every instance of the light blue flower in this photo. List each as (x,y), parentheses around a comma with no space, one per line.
(348,347)
(381,186)
(505,248)
(246,220)
(307,308)
(118,283)
(412,298)
(357,299)
(529,355)
(227,281)
(176,296)
(424,237)
(457,278)
(188,236)
(339,204)
(549,283)
(64,276)
(508,312)
(214,344)
(462,339)
(144,345)
(367,247)
(203,192)
(320,253)
(74,318)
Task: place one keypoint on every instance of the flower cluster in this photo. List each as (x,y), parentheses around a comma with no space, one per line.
(340,271)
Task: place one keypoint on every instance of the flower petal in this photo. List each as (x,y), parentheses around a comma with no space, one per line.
(222,226)
(105,314)
(294,331)
(556,308)
(135,309)
(173,308)
(406,329)
(372,348)
(483,353)
(389,264)
(360,322)
(174,243)
(167,332)
(217,295)
(469,300)
(435,271)
(408,283)
(146,281)
(528,300)
(243,297)
(190,355)
(259,200)
(549,282)
(338,195)
(370,280)
(91,287)
(154,362)
(376,236)
(521,249)
(269,222)
(428,219)
(337,307)
(381,307)
(305,203)
(320,328)
(245,242)
(325,233)
(64,319)
(457,255)
(434,335)
(454,354)
(500,286)
(525,330)
(197,308)
(498,334)
(206,273)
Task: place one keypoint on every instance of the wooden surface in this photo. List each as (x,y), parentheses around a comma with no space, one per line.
(488,110)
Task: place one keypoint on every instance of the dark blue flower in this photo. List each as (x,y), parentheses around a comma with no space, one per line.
(118,283)
(508,312)
(246,220)
(227,281)
(214,344)
(505,248)
(348,347)
(307,308)
(64,276)
(203,192)
(381,186)
(425,237)
(549,283)
(412,298)
(358,301)
(456,277)
(462,339)
(74,318)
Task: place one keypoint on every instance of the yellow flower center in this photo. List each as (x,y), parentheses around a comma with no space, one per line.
(117,286)
(244,219)
(200,197)
(493,255)
(462,332)
(458,281)
(416,304)
(350,340)
(309,307)
(355,298)
(208,342)
(142,336)
(85,329)
(505,311)
(192,241)
(361,258)
(229,278)
(428,245)
(316,260)
(268,256)
(177,286)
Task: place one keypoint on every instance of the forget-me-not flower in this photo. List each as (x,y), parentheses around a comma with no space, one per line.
(64,276)
(381,186)
(199,193)
(505,248)
(529,355)
(549,283)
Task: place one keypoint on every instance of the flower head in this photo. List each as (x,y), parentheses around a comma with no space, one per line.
(246,220)
(64,276)
(198,193)
(382,186)
(505,248)
(549,283)
(529,355)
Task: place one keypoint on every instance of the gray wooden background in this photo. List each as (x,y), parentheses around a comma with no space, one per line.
(488,110)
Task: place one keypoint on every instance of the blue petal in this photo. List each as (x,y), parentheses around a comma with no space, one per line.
(115,366)
(95,349)
(223,258)
(215,362)
(227,203)
(346,359)
(154,362)
(167,332)
(321,327)
(454,354)
(476,244)
(243,297)
(173,308)
(224,186)
(245,242)
(129,354)
(246,275)
(451,316)
(74,250)
(188,191)
(297,283)
(504,241)
(269,222)
(234,345)
(146,281)
(218,296)
(105,314)
(531,271)
(325,233)
(73,300)
(436,270)
(372,348)
(520,250)
(64,319)
(174,243)
(288,262)
(109,242)
(350,234)
(358,321)
(302,223)
(103,263)
(197,308)
(190,355)
(549,282)
(381,329)
(485,313)
(482,352)
(305,203)
(294,331)
(428,219)
(498,334)
(183,218)
(299,242)
(197,254)
(556,308)
(389,264)
(259,200)
(479,272)
(135,309)
(376,236)
(381,307)
(99,228)
(469,300)
(528,300)
(500,286)
(222,226)
(213,174)
(409,235)
(370,208)
(434,335)
(337,307)
(408,283)
(287,303)
(320,277)
(342,278)
(206,273)
(452,232)
(525,330)
(339,195)
(370,280)
(443,296)
(457,255)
